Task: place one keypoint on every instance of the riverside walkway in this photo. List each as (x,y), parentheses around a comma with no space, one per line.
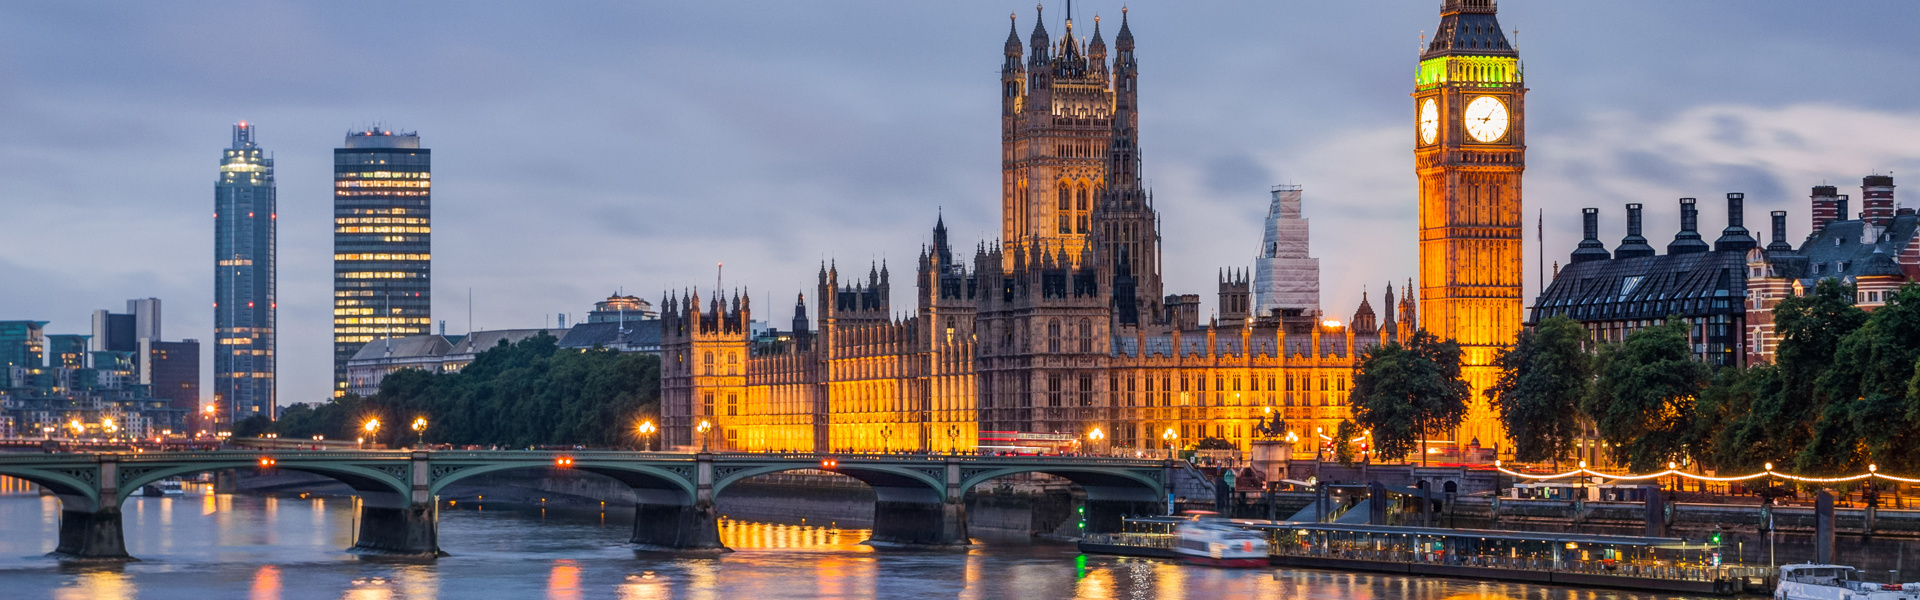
(919,498)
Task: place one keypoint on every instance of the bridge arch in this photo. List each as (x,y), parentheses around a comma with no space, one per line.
(74,487)
(383,485)
(1113,492)
(654,484)
(887,480)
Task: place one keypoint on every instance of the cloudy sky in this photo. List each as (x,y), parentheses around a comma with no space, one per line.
(581,148)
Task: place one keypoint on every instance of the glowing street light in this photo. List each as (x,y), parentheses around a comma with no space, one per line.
(371,427)
(1169,436)
(419,431)
(704,427)
(108,425)
(646,430)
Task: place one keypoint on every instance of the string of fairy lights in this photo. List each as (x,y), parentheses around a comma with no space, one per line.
(1873,472)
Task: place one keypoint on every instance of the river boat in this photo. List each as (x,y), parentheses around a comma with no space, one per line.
(1836,582)
(1207,539)
(164,487)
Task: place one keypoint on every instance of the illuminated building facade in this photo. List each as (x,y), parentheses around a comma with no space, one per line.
(1469,146)
(245,227)
(382,251)
(1055,331)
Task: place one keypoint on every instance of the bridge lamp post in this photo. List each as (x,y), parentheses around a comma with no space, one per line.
(646,434)
(953,431)
(1169,436)
(886,435)
(419,431)
(372,427)
(705,426)
(1095,436)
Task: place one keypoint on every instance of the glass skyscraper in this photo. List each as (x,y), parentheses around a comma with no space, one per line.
(382,231)
(244,250)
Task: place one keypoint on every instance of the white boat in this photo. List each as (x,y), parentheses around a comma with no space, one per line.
(1836,582)
(165,487)
(1207,539)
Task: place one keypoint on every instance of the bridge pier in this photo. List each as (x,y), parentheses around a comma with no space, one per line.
(664,521)
(393,525)
(917,517)
(91,535)
(413,530)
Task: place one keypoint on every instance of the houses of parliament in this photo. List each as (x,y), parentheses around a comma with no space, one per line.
(1062,328)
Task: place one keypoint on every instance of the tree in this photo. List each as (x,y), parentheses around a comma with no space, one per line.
(1214,443)
(1406,392)
(1868,416)
(1643,399)
(523,394)
(1343,436)
(1810,328)
(1542,380)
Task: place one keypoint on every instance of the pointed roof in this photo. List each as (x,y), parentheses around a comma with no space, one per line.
(1013,33)
(1469,28)
(1124,39)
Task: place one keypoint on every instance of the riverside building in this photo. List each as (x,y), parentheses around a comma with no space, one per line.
(382,250)
(245,251)
(1058,331)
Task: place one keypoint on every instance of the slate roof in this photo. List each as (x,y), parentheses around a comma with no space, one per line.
(412,346)
(1836,251)
(1647,287)
(642,333)
(1473,31)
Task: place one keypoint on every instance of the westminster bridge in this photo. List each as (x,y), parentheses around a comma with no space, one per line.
(919,499)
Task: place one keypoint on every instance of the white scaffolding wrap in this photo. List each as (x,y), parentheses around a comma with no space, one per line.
(1284,277)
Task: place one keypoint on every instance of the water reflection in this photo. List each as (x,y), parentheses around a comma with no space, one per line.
(198,547)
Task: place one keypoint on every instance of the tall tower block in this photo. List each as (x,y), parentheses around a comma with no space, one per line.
(382,242)
(1469,140)
(244,286)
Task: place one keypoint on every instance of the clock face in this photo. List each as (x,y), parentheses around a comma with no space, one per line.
(1429,121)
(1486,119)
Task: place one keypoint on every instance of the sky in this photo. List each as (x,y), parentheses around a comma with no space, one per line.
(586,147)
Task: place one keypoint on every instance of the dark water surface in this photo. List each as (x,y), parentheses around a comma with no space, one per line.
(203,547)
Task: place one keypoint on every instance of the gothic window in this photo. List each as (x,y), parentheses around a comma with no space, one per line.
(1086,390)
(1066,224)
(1053,335)
(709,363)
(733,405)
(1236,384)
(1066,199)
(1270,383)
(1086,335)
(706,405)
(1080,198)
(1083,226)
(1053,390)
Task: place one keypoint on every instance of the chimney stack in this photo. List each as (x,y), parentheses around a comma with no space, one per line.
(1876,200)
(1687,241)
(1824,199)
(1779,233)
(1590,246)
(1634,245)
(1735,237)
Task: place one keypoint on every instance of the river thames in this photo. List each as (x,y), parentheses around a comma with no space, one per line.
(203,547)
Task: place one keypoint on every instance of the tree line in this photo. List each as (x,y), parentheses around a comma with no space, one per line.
(1842,393)
(530,393)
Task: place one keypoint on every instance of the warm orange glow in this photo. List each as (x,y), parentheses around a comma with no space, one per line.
(563,462)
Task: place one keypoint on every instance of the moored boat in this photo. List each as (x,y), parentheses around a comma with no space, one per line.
(1836,582)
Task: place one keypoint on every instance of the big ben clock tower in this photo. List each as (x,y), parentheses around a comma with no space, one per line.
(1470,146)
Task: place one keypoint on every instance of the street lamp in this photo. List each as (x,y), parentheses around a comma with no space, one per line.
(419,431)
(1169,436)
(705,426)
(1095,436)
(646,433)
(372,427)
(953,431)
(886,433)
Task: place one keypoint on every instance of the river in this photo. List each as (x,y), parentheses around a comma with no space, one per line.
(206,547)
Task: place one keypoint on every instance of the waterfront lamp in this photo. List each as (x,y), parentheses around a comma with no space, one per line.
(705,426)
(646,430)
(419,431)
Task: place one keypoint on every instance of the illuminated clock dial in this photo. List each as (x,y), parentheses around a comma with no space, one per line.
(1429,121)
(1486,119)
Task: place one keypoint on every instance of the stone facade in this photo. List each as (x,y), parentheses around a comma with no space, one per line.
(1057,330)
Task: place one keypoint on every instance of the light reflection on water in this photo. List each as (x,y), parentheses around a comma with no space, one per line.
(203,547)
